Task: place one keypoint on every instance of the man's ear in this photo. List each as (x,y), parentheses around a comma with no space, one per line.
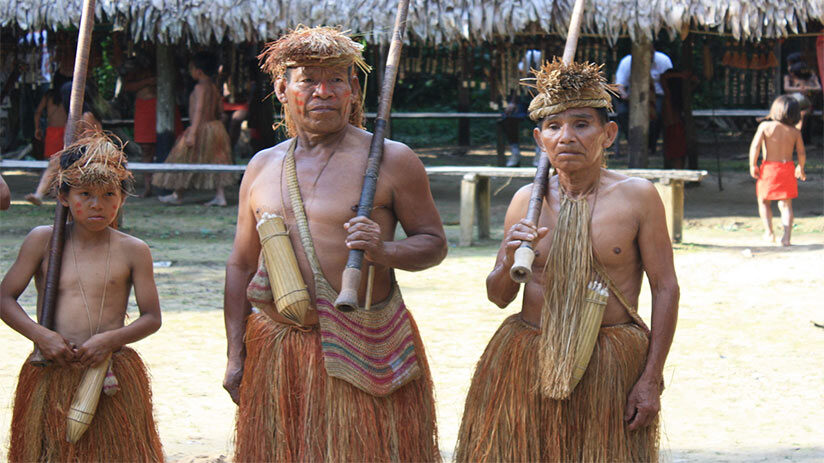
(611,129)
(280,89)
(536,134)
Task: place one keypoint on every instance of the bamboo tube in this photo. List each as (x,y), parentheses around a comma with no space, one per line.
(61,212)
(288,288)
(85,400)
(521,270)
(347,300)
(593,313)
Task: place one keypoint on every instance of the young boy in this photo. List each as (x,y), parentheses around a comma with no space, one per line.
(100,266)
(775,139)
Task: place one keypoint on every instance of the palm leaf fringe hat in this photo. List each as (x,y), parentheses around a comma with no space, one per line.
(96,160)
(561,87)
(315,46)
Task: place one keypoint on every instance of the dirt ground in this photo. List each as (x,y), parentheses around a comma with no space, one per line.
(744,382)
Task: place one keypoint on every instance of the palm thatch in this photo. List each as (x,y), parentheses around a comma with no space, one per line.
(430,21)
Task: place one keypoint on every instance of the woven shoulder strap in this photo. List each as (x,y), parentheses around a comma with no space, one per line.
(631,310)
(297,208)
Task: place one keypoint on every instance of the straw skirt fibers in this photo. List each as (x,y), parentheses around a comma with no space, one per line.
(506,419)
(123,428)
(212,146)
(291,410)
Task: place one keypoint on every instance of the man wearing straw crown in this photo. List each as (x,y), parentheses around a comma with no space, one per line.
(576,375)
(313,383)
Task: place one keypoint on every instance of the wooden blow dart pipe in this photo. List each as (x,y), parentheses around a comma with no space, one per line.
(521,270)
(347,300)
(81,62)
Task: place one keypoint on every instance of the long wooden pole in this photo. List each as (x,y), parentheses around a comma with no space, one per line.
(521,270)
(350,281)
(81,62)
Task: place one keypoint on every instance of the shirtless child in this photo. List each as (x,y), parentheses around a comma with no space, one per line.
(100,266)
(775,140)
(55,122)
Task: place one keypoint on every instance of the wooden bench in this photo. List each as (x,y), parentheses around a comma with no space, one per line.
(475,192)
(476,199)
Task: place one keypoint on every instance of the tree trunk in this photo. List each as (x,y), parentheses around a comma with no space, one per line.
(686,94)
(639,98)
(165,124)
(463,97)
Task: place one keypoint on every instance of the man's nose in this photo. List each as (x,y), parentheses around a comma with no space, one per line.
(323,89)
(567,134)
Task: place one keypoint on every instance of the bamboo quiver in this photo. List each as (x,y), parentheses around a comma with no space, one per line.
(84,403)
(289,291)
(593,312)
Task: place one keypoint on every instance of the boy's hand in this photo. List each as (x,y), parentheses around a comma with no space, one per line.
(94,350)
(56,348)
(755,172)
(799,173)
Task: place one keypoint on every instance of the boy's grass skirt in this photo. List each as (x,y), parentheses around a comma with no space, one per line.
(506,418)
(123,428)
(212,146)
(291,410)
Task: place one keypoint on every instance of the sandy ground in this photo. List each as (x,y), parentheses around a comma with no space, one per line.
(744,377)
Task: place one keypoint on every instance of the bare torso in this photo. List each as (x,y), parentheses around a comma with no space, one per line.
(74,320)
(55,114)
(209,103)
(330,193)
(615,226)
(778,142)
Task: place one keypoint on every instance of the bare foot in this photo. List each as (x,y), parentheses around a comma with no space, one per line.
(216,202)
(769,237)
(170,199)
(34,199)
(785,239)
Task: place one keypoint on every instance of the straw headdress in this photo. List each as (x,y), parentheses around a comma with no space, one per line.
(95,160)
(315,46)
(561,87)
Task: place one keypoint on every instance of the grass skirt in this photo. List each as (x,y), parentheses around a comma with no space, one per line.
(291,410)
(506,418)
(211,147)
(123,428)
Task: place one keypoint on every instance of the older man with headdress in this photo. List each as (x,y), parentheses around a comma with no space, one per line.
(528,401)
(323,384)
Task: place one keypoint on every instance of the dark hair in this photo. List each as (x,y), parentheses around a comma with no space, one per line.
(54,95)
(66,96)
(799,68)
(794,57)
(206,62)
(785,109)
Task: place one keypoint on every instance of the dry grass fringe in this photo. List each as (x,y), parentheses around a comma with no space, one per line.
(568,271)
(102,163)
(561,87)
(212,146)
(506,418)
(291,410)
(123,428)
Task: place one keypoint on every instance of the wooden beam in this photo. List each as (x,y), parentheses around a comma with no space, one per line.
(672,195)
(639,96)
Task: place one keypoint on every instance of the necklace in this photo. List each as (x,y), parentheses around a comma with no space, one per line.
(105,284)
(317,177)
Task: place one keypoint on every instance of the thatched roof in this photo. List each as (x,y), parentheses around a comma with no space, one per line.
(430,21)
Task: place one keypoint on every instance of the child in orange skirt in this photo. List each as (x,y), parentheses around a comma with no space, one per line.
(775,140)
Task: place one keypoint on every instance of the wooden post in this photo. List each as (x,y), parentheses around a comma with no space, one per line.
(500,143)
(468,193)
(639,95)
(482,205)
(672,195)
(686,96)
(463,97)
(778,84)
(165,124)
